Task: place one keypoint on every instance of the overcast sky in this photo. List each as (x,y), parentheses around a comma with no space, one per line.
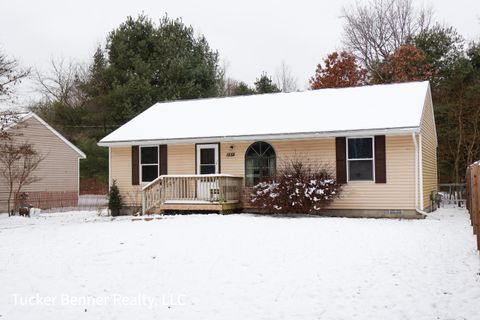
(252,36)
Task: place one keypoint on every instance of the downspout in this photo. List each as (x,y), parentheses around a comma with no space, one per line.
(416,168)
(417,175)
(420,170)
(78,179)
(109,167)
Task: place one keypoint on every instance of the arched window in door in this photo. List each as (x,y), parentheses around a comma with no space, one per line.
(260,162)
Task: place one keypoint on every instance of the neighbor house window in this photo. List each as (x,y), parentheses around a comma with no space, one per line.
(260,163)
(360,159)
(148,163)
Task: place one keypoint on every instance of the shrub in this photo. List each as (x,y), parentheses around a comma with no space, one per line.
(299,187)
(115,202)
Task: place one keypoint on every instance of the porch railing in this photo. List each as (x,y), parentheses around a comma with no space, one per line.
(210,188)
(152,194)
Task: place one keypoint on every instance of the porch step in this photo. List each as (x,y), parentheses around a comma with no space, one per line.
(214,207)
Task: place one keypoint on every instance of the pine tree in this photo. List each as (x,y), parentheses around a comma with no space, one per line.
(242,89)
(264,84)
(115,202)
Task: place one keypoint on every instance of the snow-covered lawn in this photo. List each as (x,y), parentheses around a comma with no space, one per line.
(76,265)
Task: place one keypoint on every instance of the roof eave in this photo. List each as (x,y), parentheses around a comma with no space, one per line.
(277,136)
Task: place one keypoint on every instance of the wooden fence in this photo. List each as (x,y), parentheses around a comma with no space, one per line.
(473,198)
(453,193)
(93,186)
(54,201)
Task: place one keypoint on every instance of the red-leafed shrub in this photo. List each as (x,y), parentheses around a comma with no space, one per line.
(298,187)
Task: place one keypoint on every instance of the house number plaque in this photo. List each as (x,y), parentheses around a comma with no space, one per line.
(230,154)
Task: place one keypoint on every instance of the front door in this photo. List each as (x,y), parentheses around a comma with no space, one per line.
(207,163)
(207,158)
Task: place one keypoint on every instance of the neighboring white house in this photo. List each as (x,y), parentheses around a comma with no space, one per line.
(59,170)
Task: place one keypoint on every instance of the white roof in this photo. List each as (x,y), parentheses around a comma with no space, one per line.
(324,112)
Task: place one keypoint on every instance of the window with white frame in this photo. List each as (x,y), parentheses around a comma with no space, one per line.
(148,163)
(360,159)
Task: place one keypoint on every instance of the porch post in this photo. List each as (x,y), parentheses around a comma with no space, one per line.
(143,203)
(221,187)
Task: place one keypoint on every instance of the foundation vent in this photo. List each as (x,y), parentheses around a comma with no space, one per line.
(393,211)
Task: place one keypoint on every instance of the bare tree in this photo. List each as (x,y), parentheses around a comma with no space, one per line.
(61,82)
(284,79)
(8,120)
(18,163)
(374,30)
(226,85)
(10,74)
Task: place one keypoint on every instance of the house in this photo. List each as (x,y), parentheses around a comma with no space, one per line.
(204,154)
(58,173)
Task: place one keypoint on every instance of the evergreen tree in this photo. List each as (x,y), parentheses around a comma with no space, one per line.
(143,63)
(242,89)
(442,47)
(148,63)
(457,117)
(264,84)
(115,202)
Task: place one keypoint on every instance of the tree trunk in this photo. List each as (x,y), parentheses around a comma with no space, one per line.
(458,152)
(472,145)
(9,201)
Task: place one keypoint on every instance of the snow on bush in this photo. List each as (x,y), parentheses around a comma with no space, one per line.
(298,187)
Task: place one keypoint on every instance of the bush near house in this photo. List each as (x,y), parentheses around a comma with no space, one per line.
(115,202)
(298,187)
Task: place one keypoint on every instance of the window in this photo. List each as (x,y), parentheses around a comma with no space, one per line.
(207,161)
(148,163)
(260,163)
(360,159)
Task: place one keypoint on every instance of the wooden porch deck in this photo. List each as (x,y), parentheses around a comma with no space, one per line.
(215,192)
(192,207)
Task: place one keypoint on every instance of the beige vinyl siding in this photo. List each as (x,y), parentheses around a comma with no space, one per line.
(58,172)
(429,152)
(319,151)
(121,171)
(233,165)
(397,193)
(181,159)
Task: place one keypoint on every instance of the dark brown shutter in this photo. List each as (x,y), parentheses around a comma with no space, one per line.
(340,147)
(163,164)
(380,162)
(135,169)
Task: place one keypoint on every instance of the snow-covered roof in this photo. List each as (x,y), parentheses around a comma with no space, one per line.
(325,112)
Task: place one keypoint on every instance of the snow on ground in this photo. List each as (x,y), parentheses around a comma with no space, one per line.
(78,265)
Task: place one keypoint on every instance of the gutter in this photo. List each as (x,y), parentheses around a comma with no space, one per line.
(277,136)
